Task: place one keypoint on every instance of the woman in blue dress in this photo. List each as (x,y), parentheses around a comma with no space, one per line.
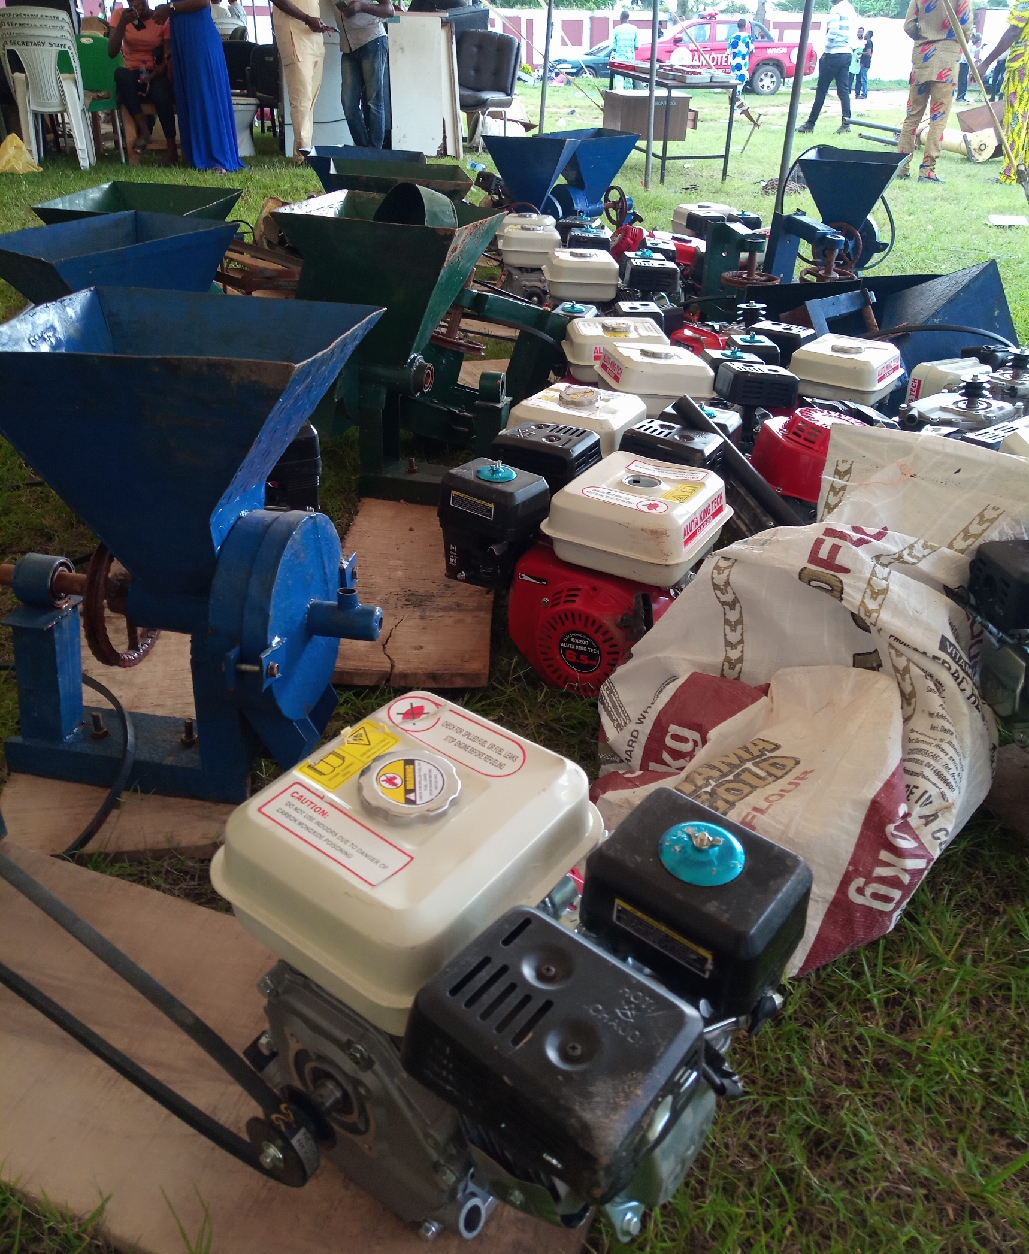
(203,101)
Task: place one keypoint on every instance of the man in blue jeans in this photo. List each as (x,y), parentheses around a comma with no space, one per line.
(834,65)
(364,66)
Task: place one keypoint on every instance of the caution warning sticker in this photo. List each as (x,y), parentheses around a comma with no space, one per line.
(318,822)
(349,755)
(682,492)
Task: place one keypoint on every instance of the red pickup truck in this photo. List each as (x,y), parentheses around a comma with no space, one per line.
(771,62)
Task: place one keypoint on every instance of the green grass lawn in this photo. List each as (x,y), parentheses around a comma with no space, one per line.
(886,1109)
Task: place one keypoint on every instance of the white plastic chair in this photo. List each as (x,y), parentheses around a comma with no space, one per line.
(37,36)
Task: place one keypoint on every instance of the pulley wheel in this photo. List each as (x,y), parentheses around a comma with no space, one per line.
(94,622)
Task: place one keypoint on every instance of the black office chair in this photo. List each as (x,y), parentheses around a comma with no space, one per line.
(487,63)
(264,82)
(237,61)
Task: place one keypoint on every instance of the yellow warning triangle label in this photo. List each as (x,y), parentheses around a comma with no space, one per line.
(359,736)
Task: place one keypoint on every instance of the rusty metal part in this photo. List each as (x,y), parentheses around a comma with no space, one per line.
(829,272)
(66,583)
(750,277)
(104,586)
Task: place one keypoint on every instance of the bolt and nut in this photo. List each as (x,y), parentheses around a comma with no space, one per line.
(271,1157)
(430,1230)
(265,1044)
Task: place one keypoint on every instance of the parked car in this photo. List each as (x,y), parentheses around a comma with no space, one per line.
(771,63)
(592,64)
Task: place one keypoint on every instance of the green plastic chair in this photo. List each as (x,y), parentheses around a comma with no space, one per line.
(98,75)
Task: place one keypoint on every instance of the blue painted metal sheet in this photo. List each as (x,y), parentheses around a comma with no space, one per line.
(159,455)
(845,183)
(530,166)
(155,250)
(592,167)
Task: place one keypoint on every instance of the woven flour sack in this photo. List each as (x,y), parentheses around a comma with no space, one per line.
(866,766)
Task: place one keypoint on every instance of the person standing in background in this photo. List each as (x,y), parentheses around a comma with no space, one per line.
(834,65)
(1014,49)
(855,57)
(864,65)
(364,66)
(298,34)
(974,43)
(624,41)
(203,101)
(230,20)
(934,64)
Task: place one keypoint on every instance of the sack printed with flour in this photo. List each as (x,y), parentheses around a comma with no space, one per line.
(818,685)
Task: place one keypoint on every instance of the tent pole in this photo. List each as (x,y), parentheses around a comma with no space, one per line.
(654,23)
(791,117)
(546,66)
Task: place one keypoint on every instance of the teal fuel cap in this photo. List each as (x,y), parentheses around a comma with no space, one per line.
(496,472)
(701,853)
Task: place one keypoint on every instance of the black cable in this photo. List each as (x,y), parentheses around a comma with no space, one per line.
(191,1115)
(907,328)
(739,468)
(128,756)
(156,994)
(122,778)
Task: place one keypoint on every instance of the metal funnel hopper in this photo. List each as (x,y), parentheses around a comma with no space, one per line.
(845,183)
(415,265)
(184,202)
(591,168)
(132,249)
(531,166)
(160,454)
(340,174)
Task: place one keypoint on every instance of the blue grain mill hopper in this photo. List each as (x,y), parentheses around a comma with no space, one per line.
(165,458)
(531,166)
(589,159)
(591,168)
(118,197)
(156,250)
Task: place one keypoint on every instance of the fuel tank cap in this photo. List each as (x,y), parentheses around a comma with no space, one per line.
(409,786)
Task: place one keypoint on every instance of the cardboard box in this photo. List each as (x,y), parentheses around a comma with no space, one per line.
(692,117)
(627,111)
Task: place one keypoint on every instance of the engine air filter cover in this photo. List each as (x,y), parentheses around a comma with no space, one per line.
(728,942)
(750,383)
(672,442)
(645,271)
(369,907)
(605,412)
(786,337)
(554,450)
(759,345)
(575,1063)
(639,309)
(582,274)
(998,583)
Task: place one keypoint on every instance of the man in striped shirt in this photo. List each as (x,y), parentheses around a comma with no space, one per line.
(834,65)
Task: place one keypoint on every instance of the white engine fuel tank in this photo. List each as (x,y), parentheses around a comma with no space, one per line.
(372,863)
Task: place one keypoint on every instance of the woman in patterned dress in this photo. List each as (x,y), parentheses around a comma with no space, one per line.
(1014,42)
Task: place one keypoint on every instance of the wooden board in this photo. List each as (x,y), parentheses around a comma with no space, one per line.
(978,118)
(73,1130)
(471,371)
(1010,787)
(47,815)
(161,684)
(435,631)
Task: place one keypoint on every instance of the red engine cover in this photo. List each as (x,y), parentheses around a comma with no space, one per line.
(790,451)
(627,239)
(696,338)
(565,619)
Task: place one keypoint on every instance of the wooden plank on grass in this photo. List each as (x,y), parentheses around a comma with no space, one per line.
(74,1131)
(435,631)
(161,684)
(47,815)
